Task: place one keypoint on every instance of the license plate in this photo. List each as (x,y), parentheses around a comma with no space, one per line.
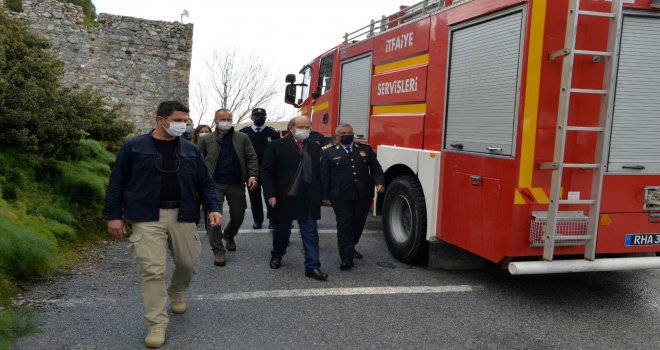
(639,239)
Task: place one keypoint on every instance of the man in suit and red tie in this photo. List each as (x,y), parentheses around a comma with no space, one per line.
(291,180)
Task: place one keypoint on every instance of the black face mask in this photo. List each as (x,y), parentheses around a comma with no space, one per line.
(346,139)
(259,121)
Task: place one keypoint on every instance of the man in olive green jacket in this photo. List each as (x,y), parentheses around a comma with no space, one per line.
(232,162)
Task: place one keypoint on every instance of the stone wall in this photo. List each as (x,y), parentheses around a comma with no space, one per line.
(132,61)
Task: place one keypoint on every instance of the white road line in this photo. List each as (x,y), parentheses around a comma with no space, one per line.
(265,294)
(295,230)
(322,292)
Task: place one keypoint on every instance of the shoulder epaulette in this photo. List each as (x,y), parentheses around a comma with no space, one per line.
(327,146)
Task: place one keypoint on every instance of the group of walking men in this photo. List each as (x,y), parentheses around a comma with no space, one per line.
(160,179)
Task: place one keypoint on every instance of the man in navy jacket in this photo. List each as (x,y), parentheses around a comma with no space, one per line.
(155,185)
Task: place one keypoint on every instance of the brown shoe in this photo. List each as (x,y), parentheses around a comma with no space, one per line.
(156,337)
(179,305)
(230,243)
(219,258)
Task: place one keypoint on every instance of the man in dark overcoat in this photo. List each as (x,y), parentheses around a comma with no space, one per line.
(291,180)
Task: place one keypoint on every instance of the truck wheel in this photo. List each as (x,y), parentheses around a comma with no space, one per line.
(404,220)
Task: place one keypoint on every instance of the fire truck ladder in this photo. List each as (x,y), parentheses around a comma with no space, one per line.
(606,106)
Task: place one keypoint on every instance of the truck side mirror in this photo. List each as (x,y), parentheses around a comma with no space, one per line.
(290,95)
(290,78)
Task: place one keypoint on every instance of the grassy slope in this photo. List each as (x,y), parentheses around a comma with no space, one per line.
(45,211)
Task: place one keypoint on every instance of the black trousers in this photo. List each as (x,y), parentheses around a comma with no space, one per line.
(235,195)
(351,216)
(256,206)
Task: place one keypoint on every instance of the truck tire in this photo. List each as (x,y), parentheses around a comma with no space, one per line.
(404,220)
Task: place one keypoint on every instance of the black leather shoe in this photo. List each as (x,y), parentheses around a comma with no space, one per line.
(256,226)
(316,274)
(275,263)
(357,254)
(346,265)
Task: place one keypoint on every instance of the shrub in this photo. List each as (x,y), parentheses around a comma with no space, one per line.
(57,213)
(37,113)
(14,5)
(7,289)
(24,253)
(84,181)
(14,323)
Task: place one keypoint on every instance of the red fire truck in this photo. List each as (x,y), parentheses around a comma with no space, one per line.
(526,132)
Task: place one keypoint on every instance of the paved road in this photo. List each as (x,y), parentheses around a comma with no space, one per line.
(381,304)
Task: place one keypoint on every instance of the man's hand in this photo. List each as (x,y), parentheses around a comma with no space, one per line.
(380,188)
(326,202)
(252,183)
(272,201)
(215,219)
(117,229)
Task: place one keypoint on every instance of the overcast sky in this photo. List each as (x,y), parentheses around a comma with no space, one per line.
(285,33)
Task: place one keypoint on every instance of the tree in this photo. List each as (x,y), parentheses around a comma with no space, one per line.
(37,112)
(200,100)
(89,10)
(240,83)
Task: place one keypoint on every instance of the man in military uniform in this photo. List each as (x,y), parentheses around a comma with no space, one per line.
(319,139)
(260,135)
(349,172)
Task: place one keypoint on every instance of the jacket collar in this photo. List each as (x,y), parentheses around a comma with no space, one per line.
(219,135)
(177,141)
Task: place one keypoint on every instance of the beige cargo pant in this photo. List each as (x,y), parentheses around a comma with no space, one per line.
(148,244)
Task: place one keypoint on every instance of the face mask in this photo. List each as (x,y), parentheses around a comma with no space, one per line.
(224,125)
(189,129)
(176,129)
(346,139)
(259,121)
(301,134)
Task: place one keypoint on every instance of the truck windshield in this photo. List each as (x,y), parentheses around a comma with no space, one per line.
(307,77)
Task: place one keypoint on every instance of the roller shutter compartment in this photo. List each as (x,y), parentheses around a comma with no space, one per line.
(635,135)
(354,96)
(482,97)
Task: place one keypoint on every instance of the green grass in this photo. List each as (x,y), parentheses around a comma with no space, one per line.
(15,323)
(49,210)
(27,249)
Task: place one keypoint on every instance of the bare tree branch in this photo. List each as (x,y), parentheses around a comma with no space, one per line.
(200,100)
(240,83)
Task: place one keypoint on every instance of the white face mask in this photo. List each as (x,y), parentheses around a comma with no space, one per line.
(301,134)
(224,125)
(176,129)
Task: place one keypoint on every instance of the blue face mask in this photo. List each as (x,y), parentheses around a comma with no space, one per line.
(259,121)
(189,129)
